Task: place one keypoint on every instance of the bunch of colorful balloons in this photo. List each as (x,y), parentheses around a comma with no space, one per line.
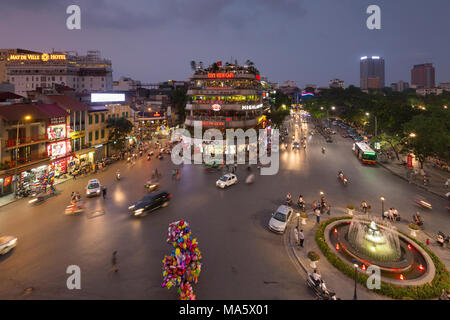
(183,266)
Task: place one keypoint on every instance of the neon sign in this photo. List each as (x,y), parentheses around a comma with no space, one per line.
(216,107)
(221,75)
(37,57)
(251,107)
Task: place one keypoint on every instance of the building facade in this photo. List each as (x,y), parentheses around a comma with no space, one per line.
(400,86)
(336,83)
(422,76)
(372,73)
(88,73)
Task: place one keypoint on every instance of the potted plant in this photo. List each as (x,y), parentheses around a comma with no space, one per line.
(350,209)
(413,228)
(304,216)
(313,257)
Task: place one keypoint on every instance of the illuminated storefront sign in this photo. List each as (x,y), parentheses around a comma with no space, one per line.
(221,75)
(107,97)
(56,132)
(213,124)
(252,107)
(216,107)
(37,57)
(261,119)
(77,134)
(56,149)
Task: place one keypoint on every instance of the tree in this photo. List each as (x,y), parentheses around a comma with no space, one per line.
(120,128)
(193,65)
(432,136)
(279,108)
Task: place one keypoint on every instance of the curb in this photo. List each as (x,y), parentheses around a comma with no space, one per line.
(417,185)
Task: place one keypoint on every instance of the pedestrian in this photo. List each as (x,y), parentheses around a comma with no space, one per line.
(235,167)
(329,210)
(314,204)
(104,192)
(114,262)
(317,213)
(178,174)
(428,242)
(297,242)
(301,237)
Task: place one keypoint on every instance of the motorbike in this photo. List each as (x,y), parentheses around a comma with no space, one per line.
(320,293)
(343,179)
(118,175)
(128,159)
(301,206)
(160,156)
(148,158)
(289,202)
(152,185)
(250,178)
(74,208)
(41,197)
(423,204)
(443,239)
(323,150)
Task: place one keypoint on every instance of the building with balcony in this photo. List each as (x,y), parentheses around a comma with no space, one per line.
(34,142)
(224,97)
(88,73)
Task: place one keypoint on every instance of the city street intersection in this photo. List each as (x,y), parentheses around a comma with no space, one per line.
(242,259)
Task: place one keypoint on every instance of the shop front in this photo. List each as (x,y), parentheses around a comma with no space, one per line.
(6,186)
(80,160)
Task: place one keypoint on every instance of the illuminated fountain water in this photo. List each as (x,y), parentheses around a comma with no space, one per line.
(376,240)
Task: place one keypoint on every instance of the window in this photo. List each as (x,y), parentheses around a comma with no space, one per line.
(123,114)
(96,118)
(109,116)
(103,117)
(96,134)
(126,114)
(53,78)
(90,119)
(90,136)
(103,133)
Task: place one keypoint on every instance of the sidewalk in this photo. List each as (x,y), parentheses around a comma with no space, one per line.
(337,281)
(437,178)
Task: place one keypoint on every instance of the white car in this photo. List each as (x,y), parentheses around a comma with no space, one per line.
(280,219)
(93,188)
(7,243)
(226,180)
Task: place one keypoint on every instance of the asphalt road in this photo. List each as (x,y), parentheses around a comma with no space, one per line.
(242,259)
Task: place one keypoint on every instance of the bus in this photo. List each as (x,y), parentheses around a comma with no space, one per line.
(364,153)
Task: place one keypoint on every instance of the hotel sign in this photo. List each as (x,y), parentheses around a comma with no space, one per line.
(251,107)
(36,57)
(221,75)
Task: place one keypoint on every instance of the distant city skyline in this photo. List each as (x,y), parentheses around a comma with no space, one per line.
(304,41)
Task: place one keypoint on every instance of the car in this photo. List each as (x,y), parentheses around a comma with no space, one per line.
(280,219)
(295,145)
(93,188)
(226,180)
(149,203)
(7,243)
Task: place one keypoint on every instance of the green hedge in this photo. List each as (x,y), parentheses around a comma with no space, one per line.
(431,290)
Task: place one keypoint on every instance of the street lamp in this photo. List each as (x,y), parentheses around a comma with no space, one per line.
(355,264)
(382,207)
(412,135)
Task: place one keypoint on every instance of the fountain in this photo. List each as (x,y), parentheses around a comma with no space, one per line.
(381,244)
(373,241)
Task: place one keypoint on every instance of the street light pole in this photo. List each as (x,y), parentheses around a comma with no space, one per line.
(355,264)
(382,207)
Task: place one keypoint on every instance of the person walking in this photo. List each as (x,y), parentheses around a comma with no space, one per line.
(104,192)
(301,237)
(297,242)
(317,213)
(114,262)
(329,210)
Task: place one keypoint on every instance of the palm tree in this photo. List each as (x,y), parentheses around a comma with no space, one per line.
(193,65)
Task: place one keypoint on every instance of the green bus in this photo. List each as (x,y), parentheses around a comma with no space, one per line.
(364,153)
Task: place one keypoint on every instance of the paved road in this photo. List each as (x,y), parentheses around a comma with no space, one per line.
(242,258)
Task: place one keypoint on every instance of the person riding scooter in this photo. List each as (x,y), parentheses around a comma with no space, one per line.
(288,199)
(418,219)
(323,149)
(118,174)
(301,203)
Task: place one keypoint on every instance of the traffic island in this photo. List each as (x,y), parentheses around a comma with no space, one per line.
(428,286)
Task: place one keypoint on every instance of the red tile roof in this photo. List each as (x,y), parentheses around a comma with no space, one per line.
(53,110)
(67,102)
(9,96)
(18,111)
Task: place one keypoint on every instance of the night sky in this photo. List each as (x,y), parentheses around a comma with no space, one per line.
(310,41)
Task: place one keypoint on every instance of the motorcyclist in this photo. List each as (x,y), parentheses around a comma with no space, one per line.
(323,149)
(288,198)
(341,174)
(418,219)
(118,174)
(300,201)
(364,206)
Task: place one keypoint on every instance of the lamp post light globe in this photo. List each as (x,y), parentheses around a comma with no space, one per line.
(355,264)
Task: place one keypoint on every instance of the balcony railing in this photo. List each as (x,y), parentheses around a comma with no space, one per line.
(24,160)
(23,140)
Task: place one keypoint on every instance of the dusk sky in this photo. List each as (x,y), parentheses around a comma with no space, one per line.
(308,41)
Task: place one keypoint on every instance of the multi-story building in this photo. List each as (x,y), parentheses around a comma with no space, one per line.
(445,86)
(422,76)
(87,73)
(125,84)
(400,86)
(225,97)
(4,55)
(34,142)
(336,83)
(427,91)
(371,72)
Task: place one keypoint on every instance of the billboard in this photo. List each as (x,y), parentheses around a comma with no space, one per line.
(107,97)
